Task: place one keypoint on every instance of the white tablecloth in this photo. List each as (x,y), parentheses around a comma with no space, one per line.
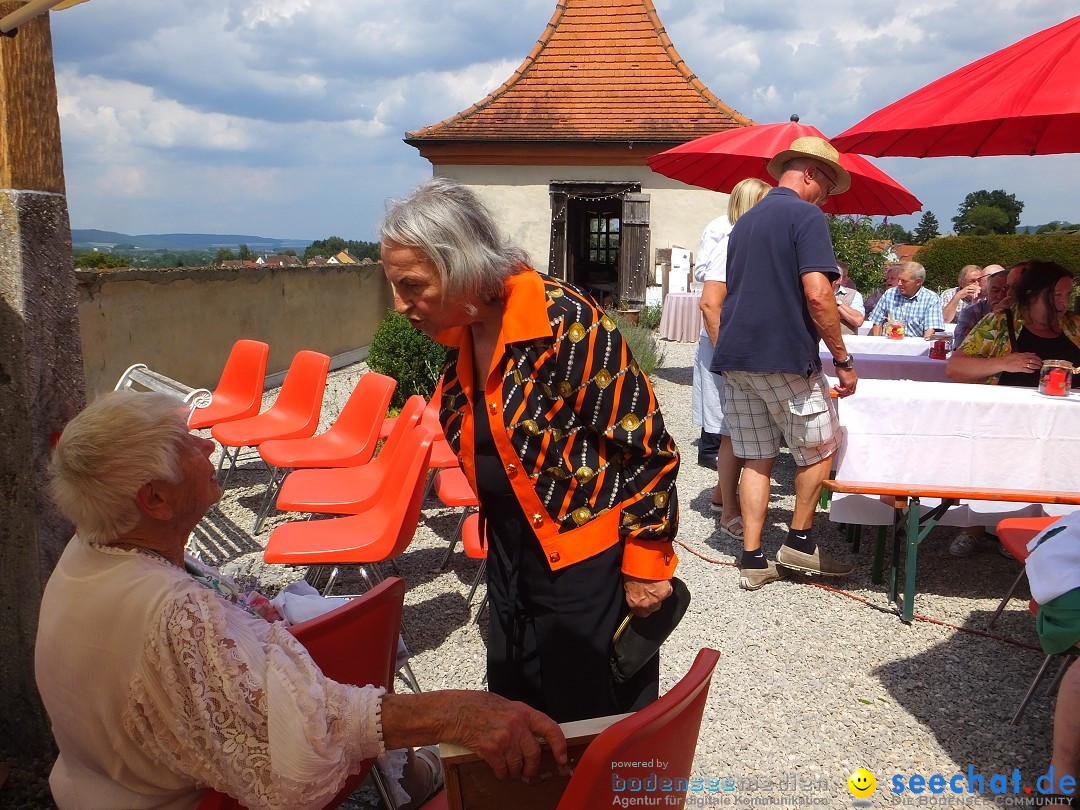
(681,318)
(867,325)
(865,344)
(892,367)
(956,435)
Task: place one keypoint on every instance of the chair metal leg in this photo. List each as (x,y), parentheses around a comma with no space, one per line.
(1031,691)
(1008,595)
(455,537)
(407,674)
(479,610)
(273,486)
(476,581)
(381,788)
(233,457)
(334,572)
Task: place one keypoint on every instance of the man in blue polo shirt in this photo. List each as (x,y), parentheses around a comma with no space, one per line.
(779,303)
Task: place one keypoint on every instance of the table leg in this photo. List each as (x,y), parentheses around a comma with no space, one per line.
(894,570)
(907,609)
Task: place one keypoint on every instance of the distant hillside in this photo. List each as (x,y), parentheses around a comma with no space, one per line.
(90,237)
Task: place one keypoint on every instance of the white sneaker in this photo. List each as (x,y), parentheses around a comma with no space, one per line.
(962,545)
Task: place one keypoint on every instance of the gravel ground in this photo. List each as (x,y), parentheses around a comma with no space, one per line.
(813,682)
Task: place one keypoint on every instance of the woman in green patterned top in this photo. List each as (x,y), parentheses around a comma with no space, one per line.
(1008,347)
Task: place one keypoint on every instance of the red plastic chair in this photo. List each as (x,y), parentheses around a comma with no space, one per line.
(348,490)
(667,729)
(1015,534)
(239,391)
(348,442)
(294,413)
(370,623)
(382,531)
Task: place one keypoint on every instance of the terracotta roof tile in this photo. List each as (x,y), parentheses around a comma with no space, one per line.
(604,70)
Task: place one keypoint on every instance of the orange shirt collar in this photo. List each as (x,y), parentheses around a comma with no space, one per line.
(525,317)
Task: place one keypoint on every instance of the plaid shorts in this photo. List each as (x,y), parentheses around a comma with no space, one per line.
(761,408)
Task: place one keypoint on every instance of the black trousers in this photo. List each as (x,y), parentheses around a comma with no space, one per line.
(550,639)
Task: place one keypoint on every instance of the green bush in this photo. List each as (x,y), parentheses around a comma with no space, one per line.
(943,257)
(410,357)
(650,316)
(642,342)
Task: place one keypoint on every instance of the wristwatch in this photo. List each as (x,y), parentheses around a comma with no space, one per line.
(848,363)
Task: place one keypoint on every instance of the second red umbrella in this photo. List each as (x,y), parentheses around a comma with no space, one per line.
(721,160)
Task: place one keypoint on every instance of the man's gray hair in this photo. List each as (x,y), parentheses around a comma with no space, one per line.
(915,269)
(964,271)
(447,222)
(121,441)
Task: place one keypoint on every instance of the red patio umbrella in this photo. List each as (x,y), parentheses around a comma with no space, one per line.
(1021,100)
(721,160)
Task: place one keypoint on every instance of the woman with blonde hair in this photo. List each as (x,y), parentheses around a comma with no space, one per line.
(708,395)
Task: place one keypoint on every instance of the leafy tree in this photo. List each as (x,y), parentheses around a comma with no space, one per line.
(98,259)
(851,237)
(985,219)
(223,255)
(333,245)
(926,230)
(245,253)
(969,220)
(893,233)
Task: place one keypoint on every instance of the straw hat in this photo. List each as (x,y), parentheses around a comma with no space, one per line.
(818,149)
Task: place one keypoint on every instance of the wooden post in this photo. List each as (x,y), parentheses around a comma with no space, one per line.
(41,377)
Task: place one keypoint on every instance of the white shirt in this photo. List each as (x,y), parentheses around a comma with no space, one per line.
(158,687)
(712,252)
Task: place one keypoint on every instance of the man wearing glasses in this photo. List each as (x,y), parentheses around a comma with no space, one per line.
(995,281)
(779,303)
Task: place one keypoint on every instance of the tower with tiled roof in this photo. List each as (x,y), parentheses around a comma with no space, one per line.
(559,150)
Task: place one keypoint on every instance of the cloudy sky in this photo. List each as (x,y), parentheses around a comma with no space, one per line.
(285,118)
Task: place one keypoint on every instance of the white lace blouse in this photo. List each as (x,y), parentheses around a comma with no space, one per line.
(157,687)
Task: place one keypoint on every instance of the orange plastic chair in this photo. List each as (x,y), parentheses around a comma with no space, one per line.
(666,729)
(370,623)
(382,531)
(348,490)
(239,391)
(348,442)
(452,489)
(1015,534)
(294,413)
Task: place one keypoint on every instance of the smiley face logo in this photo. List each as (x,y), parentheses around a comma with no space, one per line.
(861,783)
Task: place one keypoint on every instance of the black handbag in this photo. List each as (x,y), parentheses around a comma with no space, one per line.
(637,640)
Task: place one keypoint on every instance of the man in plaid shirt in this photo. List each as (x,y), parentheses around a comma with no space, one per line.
(919,308)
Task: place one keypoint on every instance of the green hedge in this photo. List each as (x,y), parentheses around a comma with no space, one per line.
(943,257)
(410,357)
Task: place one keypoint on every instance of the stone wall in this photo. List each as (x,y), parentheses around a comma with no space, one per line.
(183,322)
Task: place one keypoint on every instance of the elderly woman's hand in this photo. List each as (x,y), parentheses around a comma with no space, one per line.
(501,732)
(643,596)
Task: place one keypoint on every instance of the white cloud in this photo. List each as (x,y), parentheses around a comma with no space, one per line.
(285,117)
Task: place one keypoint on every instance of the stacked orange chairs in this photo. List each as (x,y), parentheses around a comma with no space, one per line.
(380,530)
(295,412)
(348,490)
(350,441)
(370,623)
(239,391)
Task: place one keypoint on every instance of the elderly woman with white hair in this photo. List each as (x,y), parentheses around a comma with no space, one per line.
(560,435)
(161,680)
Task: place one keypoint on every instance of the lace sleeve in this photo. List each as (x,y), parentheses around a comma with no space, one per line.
(238,705)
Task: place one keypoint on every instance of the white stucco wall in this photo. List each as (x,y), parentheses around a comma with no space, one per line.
(518,197)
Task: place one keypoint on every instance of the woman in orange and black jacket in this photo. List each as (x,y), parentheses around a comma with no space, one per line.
(562,438)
